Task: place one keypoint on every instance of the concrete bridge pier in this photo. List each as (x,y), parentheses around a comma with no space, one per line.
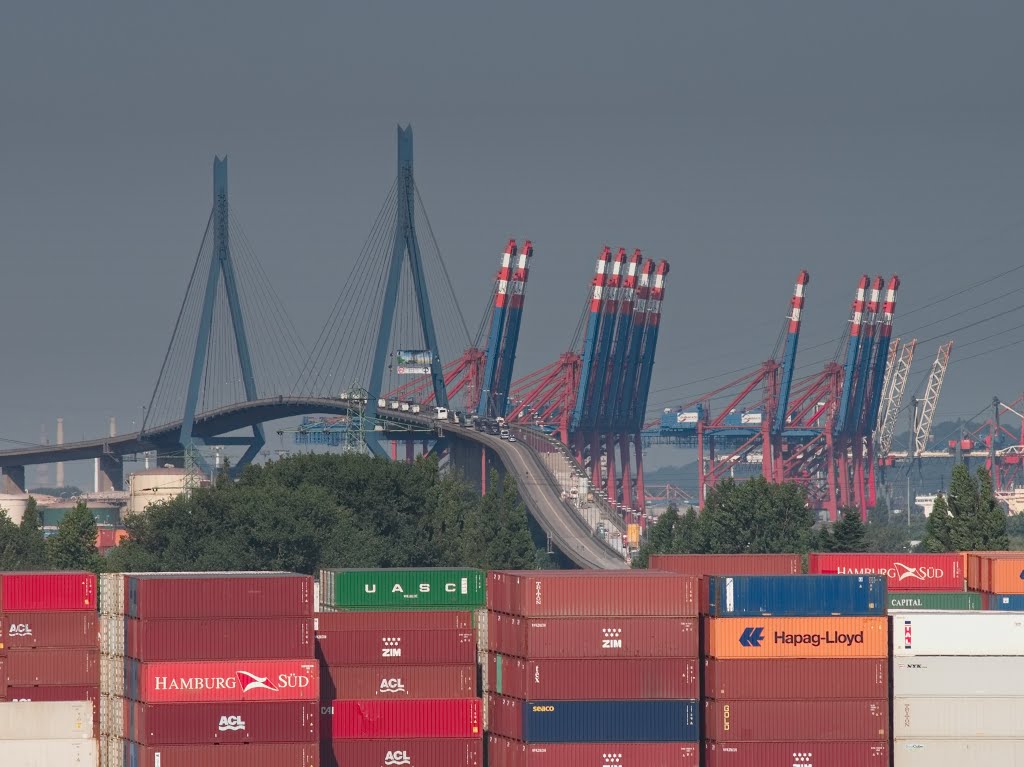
(14,479)
(109,473)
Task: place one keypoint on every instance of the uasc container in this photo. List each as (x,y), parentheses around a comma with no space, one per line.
(935,600)
(219,638)
(952,676)
(954,717)
(796,595)
(405,589)
(24,592)
(504,752)
(611,637)
(796,720)
(358,682)
(905,572)
(396,646)
(594,679)
(163,724)
(375,719)
(49,720)
(212,681)
(247,755)
(957,633)
(819,679)
(811,753)
(404,752)
(219,595)
(831,637)
(66,628)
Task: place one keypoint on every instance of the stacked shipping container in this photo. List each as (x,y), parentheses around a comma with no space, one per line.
(589,668)
(40,734)
(999,576)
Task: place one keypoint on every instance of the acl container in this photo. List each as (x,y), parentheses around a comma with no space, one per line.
(796,595)
(819,679)
(219,595)
(905,572)
(612,637)
(358,682)
(957,633)
(374,719)
(832,637)
(798,754)
(46,591)
(413,752)
(66,628)
(796,721)
(504,752)
(403,589)
(165,724)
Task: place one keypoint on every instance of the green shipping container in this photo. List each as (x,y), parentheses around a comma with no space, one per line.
(934,600)
(403,589)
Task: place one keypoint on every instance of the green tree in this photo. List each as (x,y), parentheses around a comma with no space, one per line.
(74,545)
(991,532)
(33,544)
(849,534)
(510,546)
(688,536)
(660,538)
(756,517)
(10,543)
(938,534)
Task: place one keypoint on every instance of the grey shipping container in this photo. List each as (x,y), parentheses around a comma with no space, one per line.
(958,676)
(38,720)
(50,753)
(957,717)
(958,752)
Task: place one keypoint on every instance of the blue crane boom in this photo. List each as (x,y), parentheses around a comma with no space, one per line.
(590,341)
(853,346)
(789,356)
(497,335)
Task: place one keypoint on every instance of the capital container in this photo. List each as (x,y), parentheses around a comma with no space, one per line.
(66,628)
(53,666)
(958,676)
(406,589)
(375,719)
(905,572)
(222,681)
(396,646)
(59,720)
(728,564)
(594,721)
(821,637)
(394,620)
(809,753)
(615,637)
(796,595)
(1008,602)
(594,679)
(797,679)
(592,593)
(956,717)
(410,752)
(24,592)
(957,633)
(796,720)
(164,724)
(958,752)
(219,595)
(935,600)
(241,755)
(359,682)
(219,638)
(19,753)
(503,752)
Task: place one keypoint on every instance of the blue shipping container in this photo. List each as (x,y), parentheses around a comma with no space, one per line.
(796,595)
(610,721)
(1009,602)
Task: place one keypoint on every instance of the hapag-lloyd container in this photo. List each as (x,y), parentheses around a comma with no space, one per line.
(831,637)
(615,637)
(935,600)
(591,593)
(359,682)
(958,752)
(404,589)
(394,620)
(404,752)
(958,676)
(53,666)
(728,564)
(165,724)
(67,628)
(954,717)
(796,720)
(796,595)
(247,755)
(957,633)
(1012,602)
(219,595)
(396,646)
(797,679)
(66,720)
(594,679)
(810,753)
(503,752)
(906,572)
(594,721)
(212,681)
(219,638)
(24,592)
(375,719)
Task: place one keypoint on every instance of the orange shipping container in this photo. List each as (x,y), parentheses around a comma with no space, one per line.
(1005,575)
(823,637)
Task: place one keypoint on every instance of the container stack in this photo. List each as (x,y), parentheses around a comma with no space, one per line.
(34,734)
(932,573)
(398,667)
(591,668)
(796,671)
(958,700)
(999,577)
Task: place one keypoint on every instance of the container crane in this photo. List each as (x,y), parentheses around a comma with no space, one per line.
(893,400)
(852,349)
(486,405)
(517,298)
(930,402)
(590,340)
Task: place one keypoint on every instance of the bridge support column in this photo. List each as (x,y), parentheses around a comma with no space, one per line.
(14,479)
(111,474)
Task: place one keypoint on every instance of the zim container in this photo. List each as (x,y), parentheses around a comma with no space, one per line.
(1011,602)
(728,564)
(812,753)
(396,646)
(219,638)
(165,724)
(404,589)
(23,592)
(831,637)
(503,752)
(359,682)
(594,679)
(68,628)
(957,633)
(394,620)
(797,679)
(935,600)
(960,677)
(592,637)
(222,681)
(796,595)
(62,666)
(954,717)
(247,755)
(404,752)
(219,595)
(796,720)
(375,719)
(905,572)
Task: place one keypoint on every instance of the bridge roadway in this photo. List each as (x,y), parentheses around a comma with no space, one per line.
(543,499)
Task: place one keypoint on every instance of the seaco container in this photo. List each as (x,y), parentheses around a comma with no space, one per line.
(935,600)
(394,620)
(503,752)
(796,720)
(358,682)
(906,572)
(164,724)
(405,589)
(832,637)
(53,666)
(592,637)
(796,595)
(396,646)
(67,628)
(594,679)
(23,592)
(589,593)
(217,681)
(594,721)
(797,679)
(219,638)
(1011,602)
(219,595)
(958,752)
(953,717)
(407,752)
(957,633)
(37,721)
(963,676)
(374,719)
(812,753)
(247,755)
(728,564)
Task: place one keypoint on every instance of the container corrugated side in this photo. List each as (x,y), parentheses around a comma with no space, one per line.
(396,646)
(958,717)
(728,564)
(67,628)
(61,666)
(24,592)
(935,600)
(963,676)
(410,752)
(619,637)
(905,572)
(210,681)
(1003,574)
(375,719)
(394,620)
(957,633)
(504,752)
(56,693)
(796,595)
(164,724)
(61,720)
(1006,602)
(957,752)
(797,678)
(219,638)
(594,679)
(409,589)
(32,753)
(798,754)
(358,682)
(248,755)
(796,720)
(821,637)
(219,595)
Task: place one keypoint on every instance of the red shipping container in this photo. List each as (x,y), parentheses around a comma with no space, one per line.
(594,679)
(60,666)
(905,572)
(797,678)
(219,595)
(358,682)
(503,752)
(163,724)
(795,720)
(210,681)
(23,592)
(592,637)
(810,753)
(396,646)
(219,639)
(409,620)
(249,755)
(456,718)
(432,752)
(91,694)
(68,628)
(581,593)
(728,564)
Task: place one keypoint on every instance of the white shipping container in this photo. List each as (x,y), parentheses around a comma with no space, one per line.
(957,633)
(35,720)
(958,676)
(963,752)
(50,753)
(957,717)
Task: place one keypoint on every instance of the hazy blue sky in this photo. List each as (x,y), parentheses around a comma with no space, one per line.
(741,141)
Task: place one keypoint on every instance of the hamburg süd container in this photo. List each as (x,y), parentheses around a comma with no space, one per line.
(955,717)
(237,755)
(594,721)
(393,620)
(65,628)
(164,724)
(25,592)
(591,593)
(728,564)
(1009,602)
(811,753)
(958,752)
(935,600)
(636,637)
(404,752)
(962,676)
(796,595)
(905,572)
(504,752)
(60,666)
(64,720)
(219,638)
(221,681)
(17,753)
(405,589)
(396,646)
(957,633)
(797,678)
(796,720)
(375,719)
(219,595)
(821,637)
(358,682)
(594,678)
